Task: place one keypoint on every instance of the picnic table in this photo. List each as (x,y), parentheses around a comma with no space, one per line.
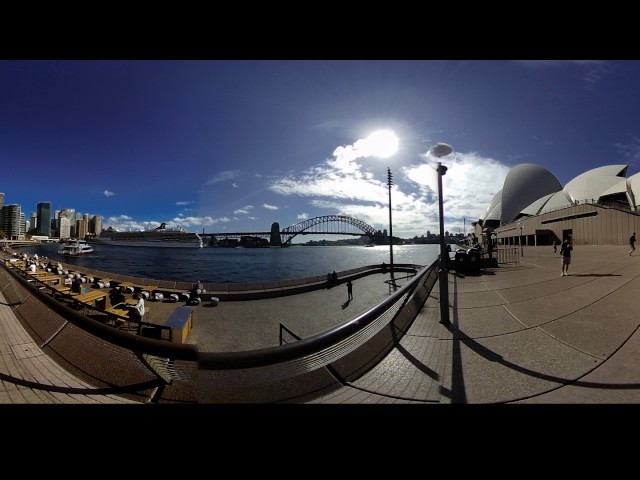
(128,286)
(104,282)
(90,298)
(149,289)
(61,288)
(39,273)
(49,278)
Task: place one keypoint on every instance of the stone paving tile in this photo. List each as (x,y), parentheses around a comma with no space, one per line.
(555,339)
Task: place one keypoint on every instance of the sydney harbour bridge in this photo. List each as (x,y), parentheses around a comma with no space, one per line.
(276,237)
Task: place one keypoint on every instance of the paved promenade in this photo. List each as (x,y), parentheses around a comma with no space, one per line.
(521,334)
(518,334)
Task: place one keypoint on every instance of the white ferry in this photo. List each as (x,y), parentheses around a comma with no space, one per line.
(75,248)
(159,237)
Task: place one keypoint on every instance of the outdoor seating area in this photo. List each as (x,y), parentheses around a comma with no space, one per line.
(93,298)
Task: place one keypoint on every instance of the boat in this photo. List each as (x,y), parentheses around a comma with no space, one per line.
(75,248)
(160,236)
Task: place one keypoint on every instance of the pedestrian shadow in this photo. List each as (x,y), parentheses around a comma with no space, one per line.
(346,304)
(14,304)
(594,275)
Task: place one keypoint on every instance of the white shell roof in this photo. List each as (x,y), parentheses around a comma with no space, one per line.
(633,185)
(524,184)
(557,200)
(531,189)
(592,184)
(618,187)
(494,210)
(536,207)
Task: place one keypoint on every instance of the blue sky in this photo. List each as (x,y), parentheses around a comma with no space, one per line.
(234,145)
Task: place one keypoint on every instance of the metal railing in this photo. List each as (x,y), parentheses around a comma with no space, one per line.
(349,342)
(508,255)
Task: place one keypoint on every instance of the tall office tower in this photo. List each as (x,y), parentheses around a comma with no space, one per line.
(23,227)
(1,200)
(64,228)
(96,226)
(44,218)
(10,221)
(33,220)
(81,228)
(70,215)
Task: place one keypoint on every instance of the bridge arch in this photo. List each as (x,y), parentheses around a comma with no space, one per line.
(334,224)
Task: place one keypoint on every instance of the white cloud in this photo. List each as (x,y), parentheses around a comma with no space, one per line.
(594,69)
(244,210)
(223,176)
(108,193)
(342,186)
(269,207)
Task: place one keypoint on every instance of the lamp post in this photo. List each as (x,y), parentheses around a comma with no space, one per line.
(389,183)
(520,241)
(442,150)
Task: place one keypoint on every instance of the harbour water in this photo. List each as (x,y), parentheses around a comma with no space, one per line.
(236,265)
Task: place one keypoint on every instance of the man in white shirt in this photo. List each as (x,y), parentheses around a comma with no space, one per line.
(137,310)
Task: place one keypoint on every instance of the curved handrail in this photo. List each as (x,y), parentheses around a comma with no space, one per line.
(325,344)
(310,346)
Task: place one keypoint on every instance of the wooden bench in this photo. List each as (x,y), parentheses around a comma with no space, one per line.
(180,322)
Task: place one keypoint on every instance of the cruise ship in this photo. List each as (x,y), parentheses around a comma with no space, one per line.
(159,237)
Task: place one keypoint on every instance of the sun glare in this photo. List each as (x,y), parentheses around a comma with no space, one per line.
(382,143)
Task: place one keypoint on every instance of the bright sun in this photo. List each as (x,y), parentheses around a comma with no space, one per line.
(382,143)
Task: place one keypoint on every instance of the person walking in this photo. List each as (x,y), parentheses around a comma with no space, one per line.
(632,243)
(565,253)
(349,290)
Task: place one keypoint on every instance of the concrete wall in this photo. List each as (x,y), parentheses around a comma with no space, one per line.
(589,224)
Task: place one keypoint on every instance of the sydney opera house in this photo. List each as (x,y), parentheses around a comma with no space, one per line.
(598,207)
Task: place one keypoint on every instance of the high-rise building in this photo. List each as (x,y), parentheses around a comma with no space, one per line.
(81,228)
(64,228)
(43,218)
(96,225)
(70,227)
(87,225)
(12,221)
(23,227)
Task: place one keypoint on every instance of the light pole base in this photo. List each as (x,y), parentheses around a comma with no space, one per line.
(443,278)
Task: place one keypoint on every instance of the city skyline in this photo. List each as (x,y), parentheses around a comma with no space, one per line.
(235,145)
(87,217)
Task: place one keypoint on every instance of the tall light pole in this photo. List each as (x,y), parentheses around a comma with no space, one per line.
(389,183)
(520,241)
(442,150)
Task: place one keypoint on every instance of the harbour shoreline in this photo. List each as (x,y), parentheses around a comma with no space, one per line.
(249,316)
